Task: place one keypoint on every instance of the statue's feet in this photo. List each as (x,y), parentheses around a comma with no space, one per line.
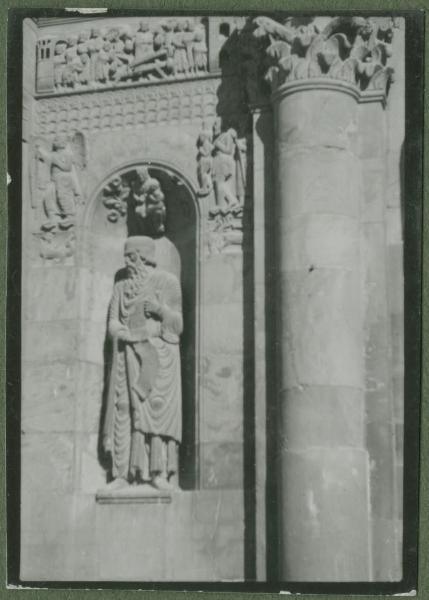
(49,225)
(117,484)
(66,223)
(162,484)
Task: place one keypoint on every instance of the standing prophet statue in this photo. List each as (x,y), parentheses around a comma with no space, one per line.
(143,422)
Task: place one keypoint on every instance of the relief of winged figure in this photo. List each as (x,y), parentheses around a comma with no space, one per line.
(59,168)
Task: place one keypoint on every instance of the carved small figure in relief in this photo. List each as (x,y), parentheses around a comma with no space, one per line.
(95,44)
(59,64)
(63,192)
(224,166)
(149,201)
(189,39)
(168,27)
(72,63)
(200,50)
(143,41)
(205,159)
(102,63)
(181,65)
(143,424)
(241,168)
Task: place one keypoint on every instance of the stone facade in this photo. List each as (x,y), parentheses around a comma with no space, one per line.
(274,147)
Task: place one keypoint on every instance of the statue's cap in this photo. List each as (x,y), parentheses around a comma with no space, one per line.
(142,244)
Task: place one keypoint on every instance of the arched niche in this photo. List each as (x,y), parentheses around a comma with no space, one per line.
(110,218)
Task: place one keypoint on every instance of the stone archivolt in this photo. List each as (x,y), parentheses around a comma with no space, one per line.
(350,49)
(170,49)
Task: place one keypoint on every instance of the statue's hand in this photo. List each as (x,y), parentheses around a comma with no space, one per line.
(124,335)
(152,308)
(107,444)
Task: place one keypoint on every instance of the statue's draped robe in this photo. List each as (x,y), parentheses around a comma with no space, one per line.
(144,413)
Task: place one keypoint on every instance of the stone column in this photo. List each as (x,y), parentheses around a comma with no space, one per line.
(323,474)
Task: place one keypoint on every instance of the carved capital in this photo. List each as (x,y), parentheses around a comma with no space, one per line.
(355,50)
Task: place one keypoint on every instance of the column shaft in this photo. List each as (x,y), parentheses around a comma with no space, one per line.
(322,460)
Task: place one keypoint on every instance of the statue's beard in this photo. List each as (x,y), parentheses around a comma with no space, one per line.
(136,276)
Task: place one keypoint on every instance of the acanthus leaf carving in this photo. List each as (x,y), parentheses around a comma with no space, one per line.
(352,49)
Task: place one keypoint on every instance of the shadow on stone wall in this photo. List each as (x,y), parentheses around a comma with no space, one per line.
(234,111)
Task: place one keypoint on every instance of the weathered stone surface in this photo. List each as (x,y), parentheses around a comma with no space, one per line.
(342,426)
(47,462)
(138,528)
(222,399)
(322,330)
(326,241)
(45,341)
(223,275)
(95,292)
(89,473)
(89,396)
(317,182)
(222,465)
(48,397)
(53,294)
(223,328)
(324,505)
(92,336)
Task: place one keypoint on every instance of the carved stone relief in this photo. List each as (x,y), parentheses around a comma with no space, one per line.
(57,193)
(97,58)
(351,49)
(119,109)
(222,176)
(143,422)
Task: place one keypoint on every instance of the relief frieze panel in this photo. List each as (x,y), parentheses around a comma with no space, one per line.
(124,54)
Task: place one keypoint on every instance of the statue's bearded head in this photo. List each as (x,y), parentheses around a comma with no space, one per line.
(139,255)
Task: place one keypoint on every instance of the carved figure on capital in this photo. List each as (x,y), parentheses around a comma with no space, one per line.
(143,423)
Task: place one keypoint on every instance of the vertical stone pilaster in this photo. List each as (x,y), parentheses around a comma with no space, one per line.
(322,460)
(380,427)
